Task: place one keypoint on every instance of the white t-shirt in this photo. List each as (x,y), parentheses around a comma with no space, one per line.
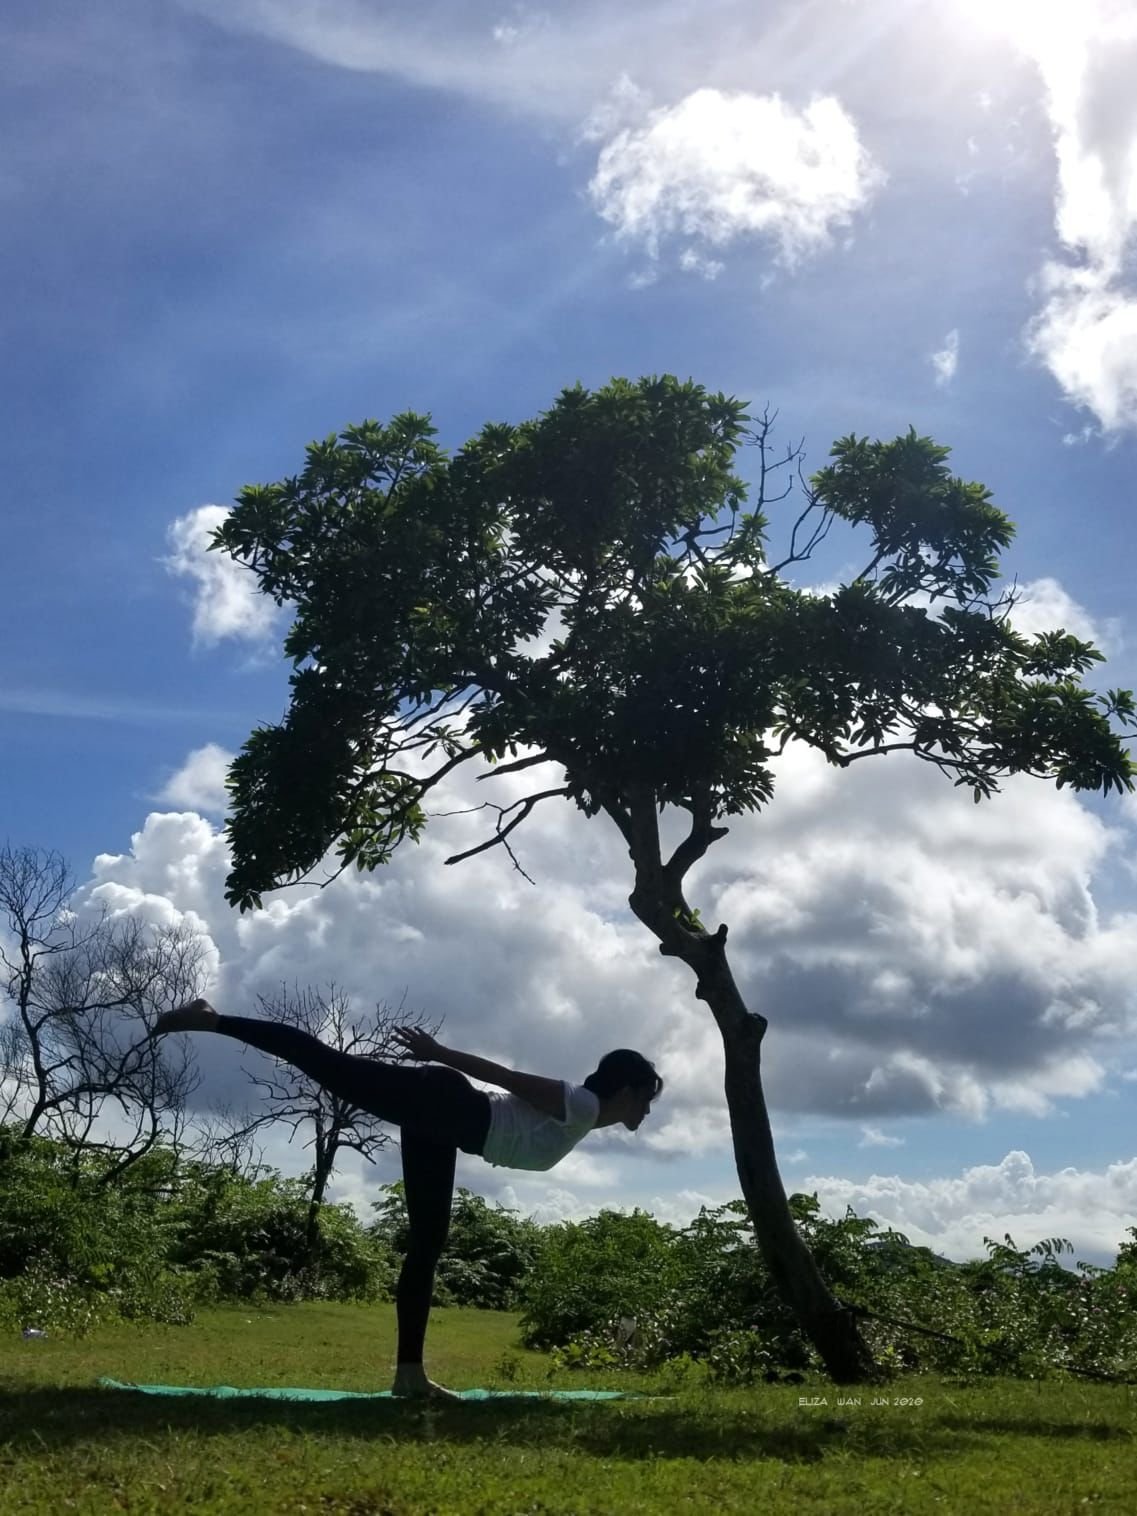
(522,1137)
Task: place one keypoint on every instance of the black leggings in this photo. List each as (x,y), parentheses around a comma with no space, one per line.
(437,1110)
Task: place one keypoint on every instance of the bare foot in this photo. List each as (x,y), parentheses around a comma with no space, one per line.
(412,1384)
(196,1016)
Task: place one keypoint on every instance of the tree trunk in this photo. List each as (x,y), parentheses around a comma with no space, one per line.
(831,1329)
(320,1178)
(658,902)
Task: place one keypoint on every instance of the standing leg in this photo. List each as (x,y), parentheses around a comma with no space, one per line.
(428,1177)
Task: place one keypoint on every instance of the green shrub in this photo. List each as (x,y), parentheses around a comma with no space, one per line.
(79,1242)
(703,1293)
(247,1239)
(591,1273)
(49,1302)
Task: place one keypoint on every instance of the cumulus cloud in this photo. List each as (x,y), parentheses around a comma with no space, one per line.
(1045,606)
(1086,330)
(227,602)
(199,785)
(915,958)
(719,167)
(946,360)
(1093,1210)
(1086,334)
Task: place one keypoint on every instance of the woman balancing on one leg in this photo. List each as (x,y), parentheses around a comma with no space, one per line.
(438,1111)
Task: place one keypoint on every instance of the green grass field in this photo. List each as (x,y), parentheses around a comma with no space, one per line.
(68,1446)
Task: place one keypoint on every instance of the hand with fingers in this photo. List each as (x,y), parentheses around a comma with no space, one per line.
(416,1043)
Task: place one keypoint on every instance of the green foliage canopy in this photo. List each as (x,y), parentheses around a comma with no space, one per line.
(414,576)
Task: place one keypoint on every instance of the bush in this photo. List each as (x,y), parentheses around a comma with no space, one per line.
(703,1294)
(78,1247)
(246,1239)
(42,1298)
(591,1273)
(78,1244)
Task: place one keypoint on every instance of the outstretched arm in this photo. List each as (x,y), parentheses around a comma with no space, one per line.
(546,1095)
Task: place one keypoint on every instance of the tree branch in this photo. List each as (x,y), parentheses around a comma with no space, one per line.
(696,843)
(513,768)
(501,834)
(819,535)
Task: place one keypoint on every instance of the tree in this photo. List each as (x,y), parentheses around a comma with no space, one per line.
(223,1137)
(83,994)
(684,668)
(290,1096)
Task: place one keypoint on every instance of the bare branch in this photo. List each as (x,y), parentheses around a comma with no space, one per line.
(819,534)
(501,834)
(446,696)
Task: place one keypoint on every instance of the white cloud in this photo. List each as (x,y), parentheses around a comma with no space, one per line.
(952,1215)
(227,602)
(873,1137)
(946,361)
(1046,606)
(692,262)
(719,167)
(199,785)
(1086,334)
(1086,331)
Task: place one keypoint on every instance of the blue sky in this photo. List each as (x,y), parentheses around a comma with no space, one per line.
(228,229)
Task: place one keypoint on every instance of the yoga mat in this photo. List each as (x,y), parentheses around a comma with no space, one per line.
(227,1392)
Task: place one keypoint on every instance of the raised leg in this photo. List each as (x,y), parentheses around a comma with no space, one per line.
(437,1101)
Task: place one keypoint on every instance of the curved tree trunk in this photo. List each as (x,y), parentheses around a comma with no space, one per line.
(658,902)
(832,1330)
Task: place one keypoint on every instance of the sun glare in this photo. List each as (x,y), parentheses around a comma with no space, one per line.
(1028,23)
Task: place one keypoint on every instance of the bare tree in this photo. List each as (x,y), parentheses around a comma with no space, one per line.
(83,993)
(223,1137)
(289,1096)
(13,1062)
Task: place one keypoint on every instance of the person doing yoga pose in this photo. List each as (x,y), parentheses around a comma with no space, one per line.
(532,1125)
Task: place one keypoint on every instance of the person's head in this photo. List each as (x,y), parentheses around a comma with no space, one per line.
(625,1083)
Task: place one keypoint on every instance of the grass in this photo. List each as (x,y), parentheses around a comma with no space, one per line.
(68,1446)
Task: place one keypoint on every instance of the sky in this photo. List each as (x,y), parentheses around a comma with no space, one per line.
(228,227)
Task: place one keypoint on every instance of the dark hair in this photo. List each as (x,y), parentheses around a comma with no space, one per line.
(618,1069)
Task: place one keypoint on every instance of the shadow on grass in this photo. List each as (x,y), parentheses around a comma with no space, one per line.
(1038,1426)
(51,1420)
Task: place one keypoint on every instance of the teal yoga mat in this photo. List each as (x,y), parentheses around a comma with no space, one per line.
(227,1392)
